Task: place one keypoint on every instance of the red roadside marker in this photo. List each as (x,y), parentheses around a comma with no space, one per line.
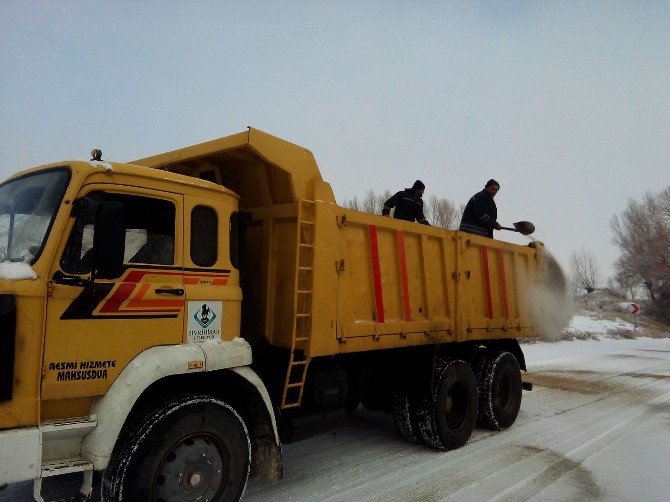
(634,308)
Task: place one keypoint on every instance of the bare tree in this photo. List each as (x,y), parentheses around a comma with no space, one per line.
(352,204)
(623,285)
(442,213)
(584,270)
(642,232)
(370,203)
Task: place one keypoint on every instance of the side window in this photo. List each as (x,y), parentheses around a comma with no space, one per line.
(204,236)
(239,221)
(150,227)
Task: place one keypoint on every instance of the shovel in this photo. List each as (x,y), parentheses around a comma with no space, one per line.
(523,227)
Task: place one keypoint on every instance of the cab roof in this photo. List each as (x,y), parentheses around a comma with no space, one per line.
(262,169)
(90,167)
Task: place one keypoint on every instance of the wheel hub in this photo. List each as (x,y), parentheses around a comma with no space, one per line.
(455,406)
(195,479)
(191,470)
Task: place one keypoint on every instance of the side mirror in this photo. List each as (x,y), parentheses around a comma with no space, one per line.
(109,240)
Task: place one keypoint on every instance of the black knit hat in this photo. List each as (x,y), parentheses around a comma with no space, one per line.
(418,185)
(491,182)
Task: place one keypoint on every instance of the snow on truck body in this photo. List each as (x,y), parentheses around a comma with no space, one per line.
(158,297)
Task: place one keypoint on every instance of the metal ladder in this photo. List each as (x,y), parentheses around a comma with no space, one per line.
(296,372)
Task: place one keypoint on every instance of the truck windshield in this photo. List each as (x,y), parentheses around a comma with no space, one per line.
(28,206)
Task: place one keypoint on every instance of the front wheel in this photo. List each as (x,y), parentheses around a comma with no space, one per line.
(187,448)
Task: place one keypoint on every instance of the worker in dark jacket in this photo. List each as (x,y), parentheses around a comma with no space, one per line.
(481,213)
(408,204)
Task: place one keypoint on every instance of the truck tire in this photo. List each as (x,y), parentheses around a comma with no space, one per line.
(405,419)
(192,447)
(447,418)
(499,381)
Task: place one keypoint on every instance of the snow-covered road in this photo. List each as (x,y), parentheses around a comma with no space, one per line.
(594,428)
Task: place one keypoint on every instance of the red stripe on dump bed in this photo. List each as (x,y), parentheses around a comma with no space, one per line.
(400,239)
(503,281)
(487,281)
(376,274)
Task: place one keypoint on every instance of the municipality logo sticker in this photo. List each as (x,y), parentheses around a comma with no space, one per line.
(205,316)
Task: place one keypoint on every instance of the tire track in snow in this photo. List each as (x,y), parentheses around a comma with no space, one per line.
(462,457)
(382,467)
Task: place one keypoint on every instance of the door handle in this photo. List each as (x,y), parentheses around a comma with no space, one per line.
(170,291)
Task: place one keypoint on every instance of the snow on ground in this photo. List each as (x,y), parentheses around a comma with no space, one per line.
(594,428)
(543,353)
(632,463)
(589,324)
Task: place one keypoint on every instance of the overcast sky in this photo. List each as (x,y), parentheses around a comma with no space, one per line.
(566,104)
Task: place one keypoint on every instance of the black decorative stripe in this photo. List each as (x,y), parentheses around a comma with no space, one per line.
(142,266)
(212,270)
(90,297)
(7,346)
(138,316)
(88,300)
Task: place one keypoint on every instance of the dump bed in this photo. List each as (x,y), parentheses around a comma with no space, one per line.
(328,280)
(383,283)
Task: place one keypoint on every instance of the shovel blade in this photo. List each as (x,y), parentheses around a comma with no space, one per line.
(524,227)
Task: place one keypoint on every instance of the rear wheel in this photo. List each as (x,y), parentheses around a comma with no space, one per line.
(447,418)
(405,418)
(188,448)
(499,381)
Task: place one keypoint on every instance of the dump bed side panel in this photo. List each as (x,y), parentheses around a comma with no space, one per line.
(384,283)
(380,283)
(495,280)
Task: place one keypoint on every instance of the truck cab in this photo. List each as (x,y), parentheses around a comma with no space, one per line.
(103,264)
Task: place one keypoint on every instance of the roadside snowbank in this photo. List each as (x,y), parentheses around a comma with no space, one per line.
(541,353)
(589,324)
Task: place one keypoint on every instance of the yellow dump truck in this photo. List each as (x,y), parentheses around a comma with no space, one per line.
(170,321)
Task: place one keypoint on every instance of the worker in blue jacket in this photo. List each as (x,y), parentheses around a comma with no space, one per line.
(481,214)
(408,204)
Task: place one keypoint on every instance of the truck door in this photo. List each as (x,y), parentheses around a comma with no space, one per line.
(94,329)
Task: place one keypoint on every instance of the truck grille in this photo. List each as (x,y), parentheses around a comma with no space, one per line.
(7,346)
